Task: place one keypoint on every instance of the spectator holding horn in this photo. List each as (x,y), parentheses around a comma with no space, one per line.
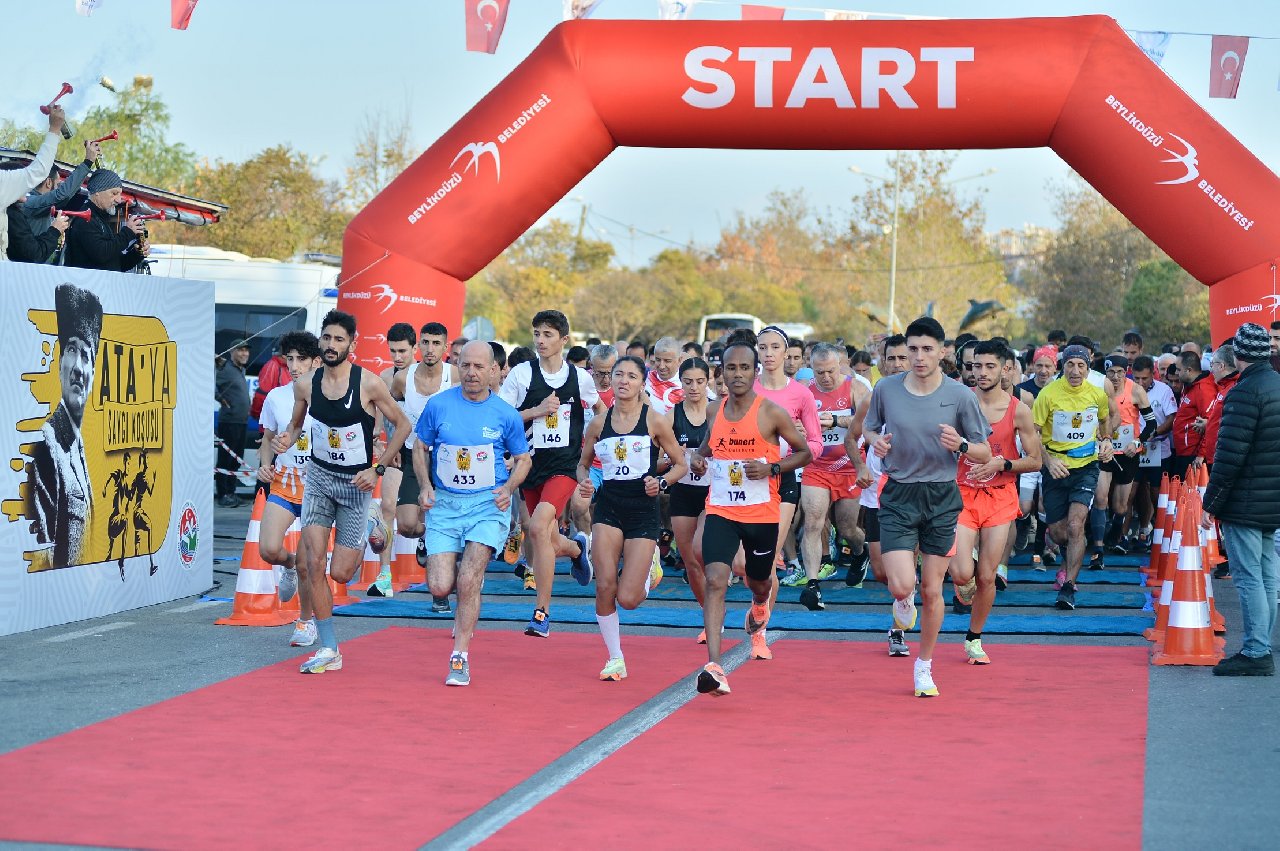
(32,237)
(16,179)
(103,241)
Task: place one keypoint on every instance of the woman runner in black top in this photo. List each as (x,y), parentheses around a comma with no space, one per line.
(626,525)
(689,495)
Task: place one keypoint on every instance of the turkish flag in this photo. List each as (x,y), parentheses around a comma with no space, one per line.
(762,13)
(1228,65)
(485,20)
(180,13)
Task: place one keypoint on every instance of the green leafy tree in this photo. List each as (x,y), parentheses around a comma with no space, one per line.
(1167,304)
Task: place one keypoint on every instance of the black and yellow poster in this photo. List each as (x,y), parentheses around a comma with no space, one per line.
(109,489)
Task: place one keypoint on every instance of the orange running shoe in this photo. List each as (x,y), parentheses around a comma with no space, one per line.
(760,646)
(712,681)
(757,618)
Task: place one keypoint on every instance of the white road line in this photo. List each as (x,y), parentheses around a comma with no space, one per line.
(96,630)
(524,796)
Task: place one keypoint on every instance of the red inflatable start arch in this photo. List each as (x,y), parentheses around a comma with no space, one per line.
(1077,85)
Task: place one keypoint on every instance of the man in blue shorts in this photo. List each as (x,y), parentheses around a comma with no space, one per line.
(463,434)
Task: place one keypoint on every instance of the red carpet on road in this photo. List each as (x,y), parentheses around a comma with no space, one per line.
(825,747)
(379,754)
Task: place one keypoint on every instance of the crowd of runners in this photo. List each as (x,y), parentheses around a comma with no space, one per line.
(754,458)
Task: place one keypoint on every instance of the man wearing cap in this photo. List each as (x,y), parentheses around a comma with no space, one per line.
(60,488)
(232,393)
(1244,495)
(1075,433)
(102,242)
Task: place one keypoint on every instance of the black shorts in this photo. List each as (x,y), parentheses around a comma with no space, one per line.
(409,487)
(919,514)
(637,518)
(1077,487)
(721,538)
(687,500)
(1150,475)
(871,524)
(789,488)
(1123,469)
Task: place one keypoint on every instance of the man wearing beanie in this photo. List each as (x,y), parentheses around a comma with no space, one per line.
(1244,495)
(102,242)
(60,490)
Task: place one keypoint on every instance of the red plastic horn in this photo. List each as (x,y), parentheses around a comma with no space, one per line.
(111,137)
(66,90)
(160,216)
(75,214)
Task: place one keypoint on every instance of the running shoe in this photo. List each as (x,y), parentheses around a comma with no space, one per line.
(1222,571)
(511,552)
(1051,557)
(1118,549)
(702,636)
(1002,577)
(794,579)
(1059,580)
(760,646)
(811,597)
(614,670)
(924,681)
(381,586)
(1066,597)
(857,572)
(1037,563)
(655,572)
(904,614)
(712,681)
(440,605)
(974,654)
(843,551)
(827,570)
(898,643)
(420,552)
(1097,561)
(326,659)
(530,581)
(539,625)
(581,568)
(734,579)
(966,591)
(1025,533)
(459,671)
(288,584)
(304,634)
(958,607)
(757,618)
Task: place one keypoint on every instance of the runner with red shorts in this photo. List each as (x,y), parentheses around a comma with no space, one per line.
(989,492)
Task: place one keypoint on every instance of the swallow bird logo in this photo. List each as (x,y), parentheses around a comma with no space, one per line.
(1272,302)
(1188,160)
(478,150)
(383,292)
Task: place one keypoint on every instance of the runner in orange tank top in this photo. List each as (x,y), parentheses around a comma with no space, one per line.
(742,454)
(989,492)
(1116,477)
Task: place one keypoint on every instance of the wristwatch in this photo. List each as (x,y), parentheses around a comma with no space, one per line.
(662,484)
(775,469)
(379,469)
(964,447)
(1008,465)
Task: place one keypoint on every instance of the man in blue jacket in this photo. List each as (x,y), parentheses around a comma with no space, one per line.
(1244,494)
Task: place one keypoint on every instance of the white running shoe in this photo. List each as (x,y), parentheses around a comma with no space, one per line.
(326,659)
(904,613)
(304,634)
(924,680)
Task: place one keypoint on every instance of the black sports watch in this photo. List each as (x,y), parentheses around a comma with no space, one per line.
(662,484)
(379,469)
(964,447)
(1008,465)
(775,469)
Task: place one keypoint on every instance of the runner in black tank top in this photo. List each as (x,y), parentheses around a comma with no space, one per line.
(341,476)
(627,523)
(555,446)
(688,504)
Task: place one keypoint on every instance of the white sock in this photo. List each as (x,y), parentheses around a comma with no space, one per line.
(611,632)
(927,664)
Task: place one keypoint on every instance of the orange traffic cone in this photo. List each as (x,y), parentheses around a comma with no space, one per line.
(1173,544)
(1168,553)
(256,601)
(405,570)
(1188,637)
(1157,523)
(1209,541)
(1202,483)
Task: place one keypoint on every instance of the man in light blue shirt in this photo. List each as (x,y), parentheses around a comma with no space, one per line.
(464,436)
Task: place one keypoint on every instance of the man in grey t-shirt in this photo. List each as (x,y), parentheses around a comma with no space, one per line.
(919,423)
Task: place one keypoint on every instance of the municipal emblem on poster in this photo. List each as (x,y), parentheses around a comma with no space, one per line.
(98,466)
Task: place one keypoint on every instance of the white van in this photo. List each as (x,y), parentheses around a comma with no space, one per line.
(254,299)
